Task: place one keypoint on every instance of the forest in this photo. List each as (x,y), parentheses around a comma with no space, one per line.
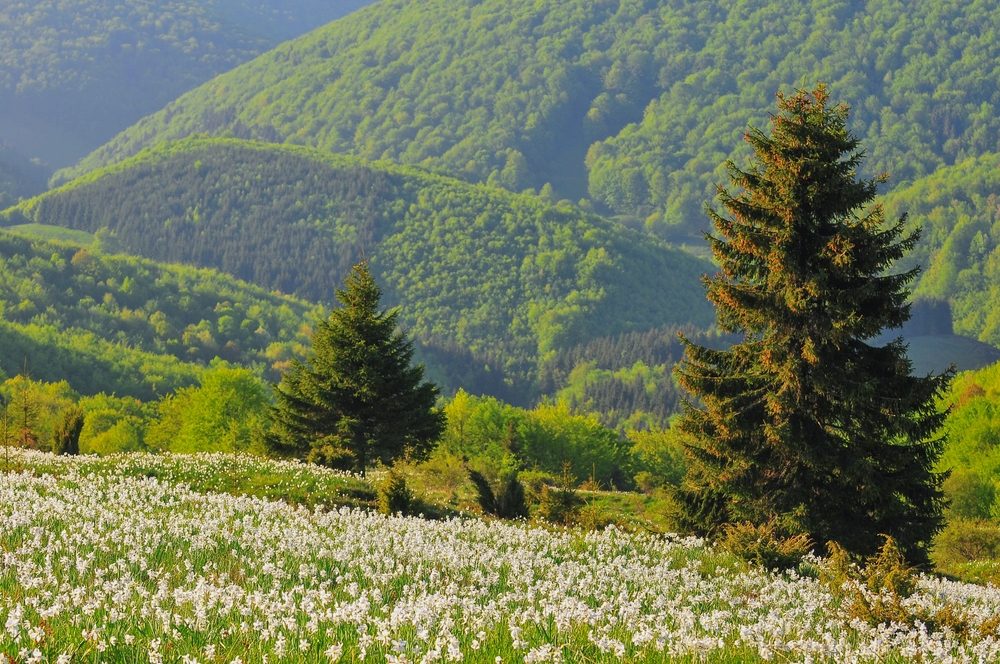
(509,278)
(632,105)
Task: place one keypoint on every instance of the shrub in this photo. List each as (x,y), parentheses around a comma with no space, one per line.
(67,436)
(964,542)
(560,504)
(507,502)
(765,545)
(969,494)
(394,496)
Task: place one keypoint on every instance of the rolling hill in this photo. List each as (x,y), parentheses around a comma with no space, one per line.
(127,325)
(957,209)
(71,77)
(508,278)
(636,104)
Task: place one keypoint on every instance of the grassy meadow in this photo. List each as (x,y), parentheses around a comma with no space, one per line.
(173,558)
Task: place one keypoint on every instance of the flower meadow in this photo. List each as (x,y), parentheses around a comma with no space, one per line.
(126,560)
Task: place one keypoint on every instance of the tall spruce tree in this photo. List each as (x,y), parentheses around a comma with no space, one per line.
(806,421)
(357,399)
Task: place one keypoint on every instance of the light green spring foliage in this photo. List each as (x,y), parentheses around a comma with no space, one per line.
(130,326)
(71,79)
(502,439)
(972,453)
(225,412)
(636,103)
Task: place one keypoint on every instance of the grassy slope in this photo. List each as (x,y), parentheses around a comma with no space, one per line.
(507,276)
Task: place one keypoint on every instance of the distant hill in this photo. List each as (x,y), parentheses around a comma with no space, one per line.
(636,104)
(509,278)
(74,74)
(19,177)
(958,211)
(128,325)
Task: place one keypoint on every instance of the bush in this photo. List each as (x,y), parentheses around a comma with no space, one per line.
(394,496)
(965,542)
(67,437)
(507,502)
(560,504)
(969,494)
(765,545)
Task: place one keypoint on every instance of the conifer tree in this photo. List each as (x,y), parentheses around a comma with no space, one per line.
(357,399)
(806,421)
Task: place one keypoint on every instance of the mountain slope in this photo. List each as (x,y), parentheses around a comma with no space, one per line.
(508,277)
(637,103)
(71,77)
(128,325)
(958,211)
(19,177)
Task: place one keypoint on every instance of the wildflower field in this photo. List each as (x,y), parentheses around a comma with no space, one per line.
(160,559)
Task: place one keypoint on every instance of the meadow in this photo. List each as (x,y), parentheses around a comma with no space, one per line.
(170,558)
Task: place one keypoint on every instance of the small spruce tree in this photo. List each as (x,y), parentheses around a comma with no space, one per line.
(806,422)
(357,399)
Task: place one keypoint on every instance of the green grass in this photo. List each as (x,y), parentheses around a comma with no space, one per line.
(52,233)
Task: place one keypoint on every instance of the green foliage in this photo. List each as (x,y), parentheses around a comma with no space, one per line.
(969,494)
(35,409)
(123,324)
(659,457)
(560,504)
(805,423)
(507,439)
(493,285)
(358,390)
(765,545)
(67,437)
(71,80)
(506,502)
(114,424)
(958,210)
(636,102)
(226,412)
(394,496)
(969,549)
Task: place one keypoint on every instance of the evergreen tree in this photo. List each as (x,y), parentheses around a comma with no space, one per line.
(357,399)
(67,436)
(805,421)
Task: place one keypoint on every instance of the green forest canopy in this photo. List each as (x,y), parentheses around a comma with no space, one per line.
(73,75)
(638,103)
(128,325)
(510,278)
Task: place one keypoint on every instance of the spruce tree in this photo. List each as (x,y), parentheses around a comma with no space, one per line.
(357,399)
(806,421)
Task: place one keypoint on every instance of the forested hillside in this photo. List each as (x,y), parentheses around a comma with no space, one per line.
(637,103)
(73,74)
(127,325)
(509,278)
(958,211)
(19,177)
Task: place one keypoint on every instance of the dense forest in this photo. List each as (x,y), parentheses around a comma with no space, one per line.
(509,278)
(123,324)
(73,76)
(636,104)
(958,210)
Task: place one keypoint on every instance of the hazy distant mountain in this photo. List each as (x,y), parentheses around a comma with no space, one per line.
(74,74)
